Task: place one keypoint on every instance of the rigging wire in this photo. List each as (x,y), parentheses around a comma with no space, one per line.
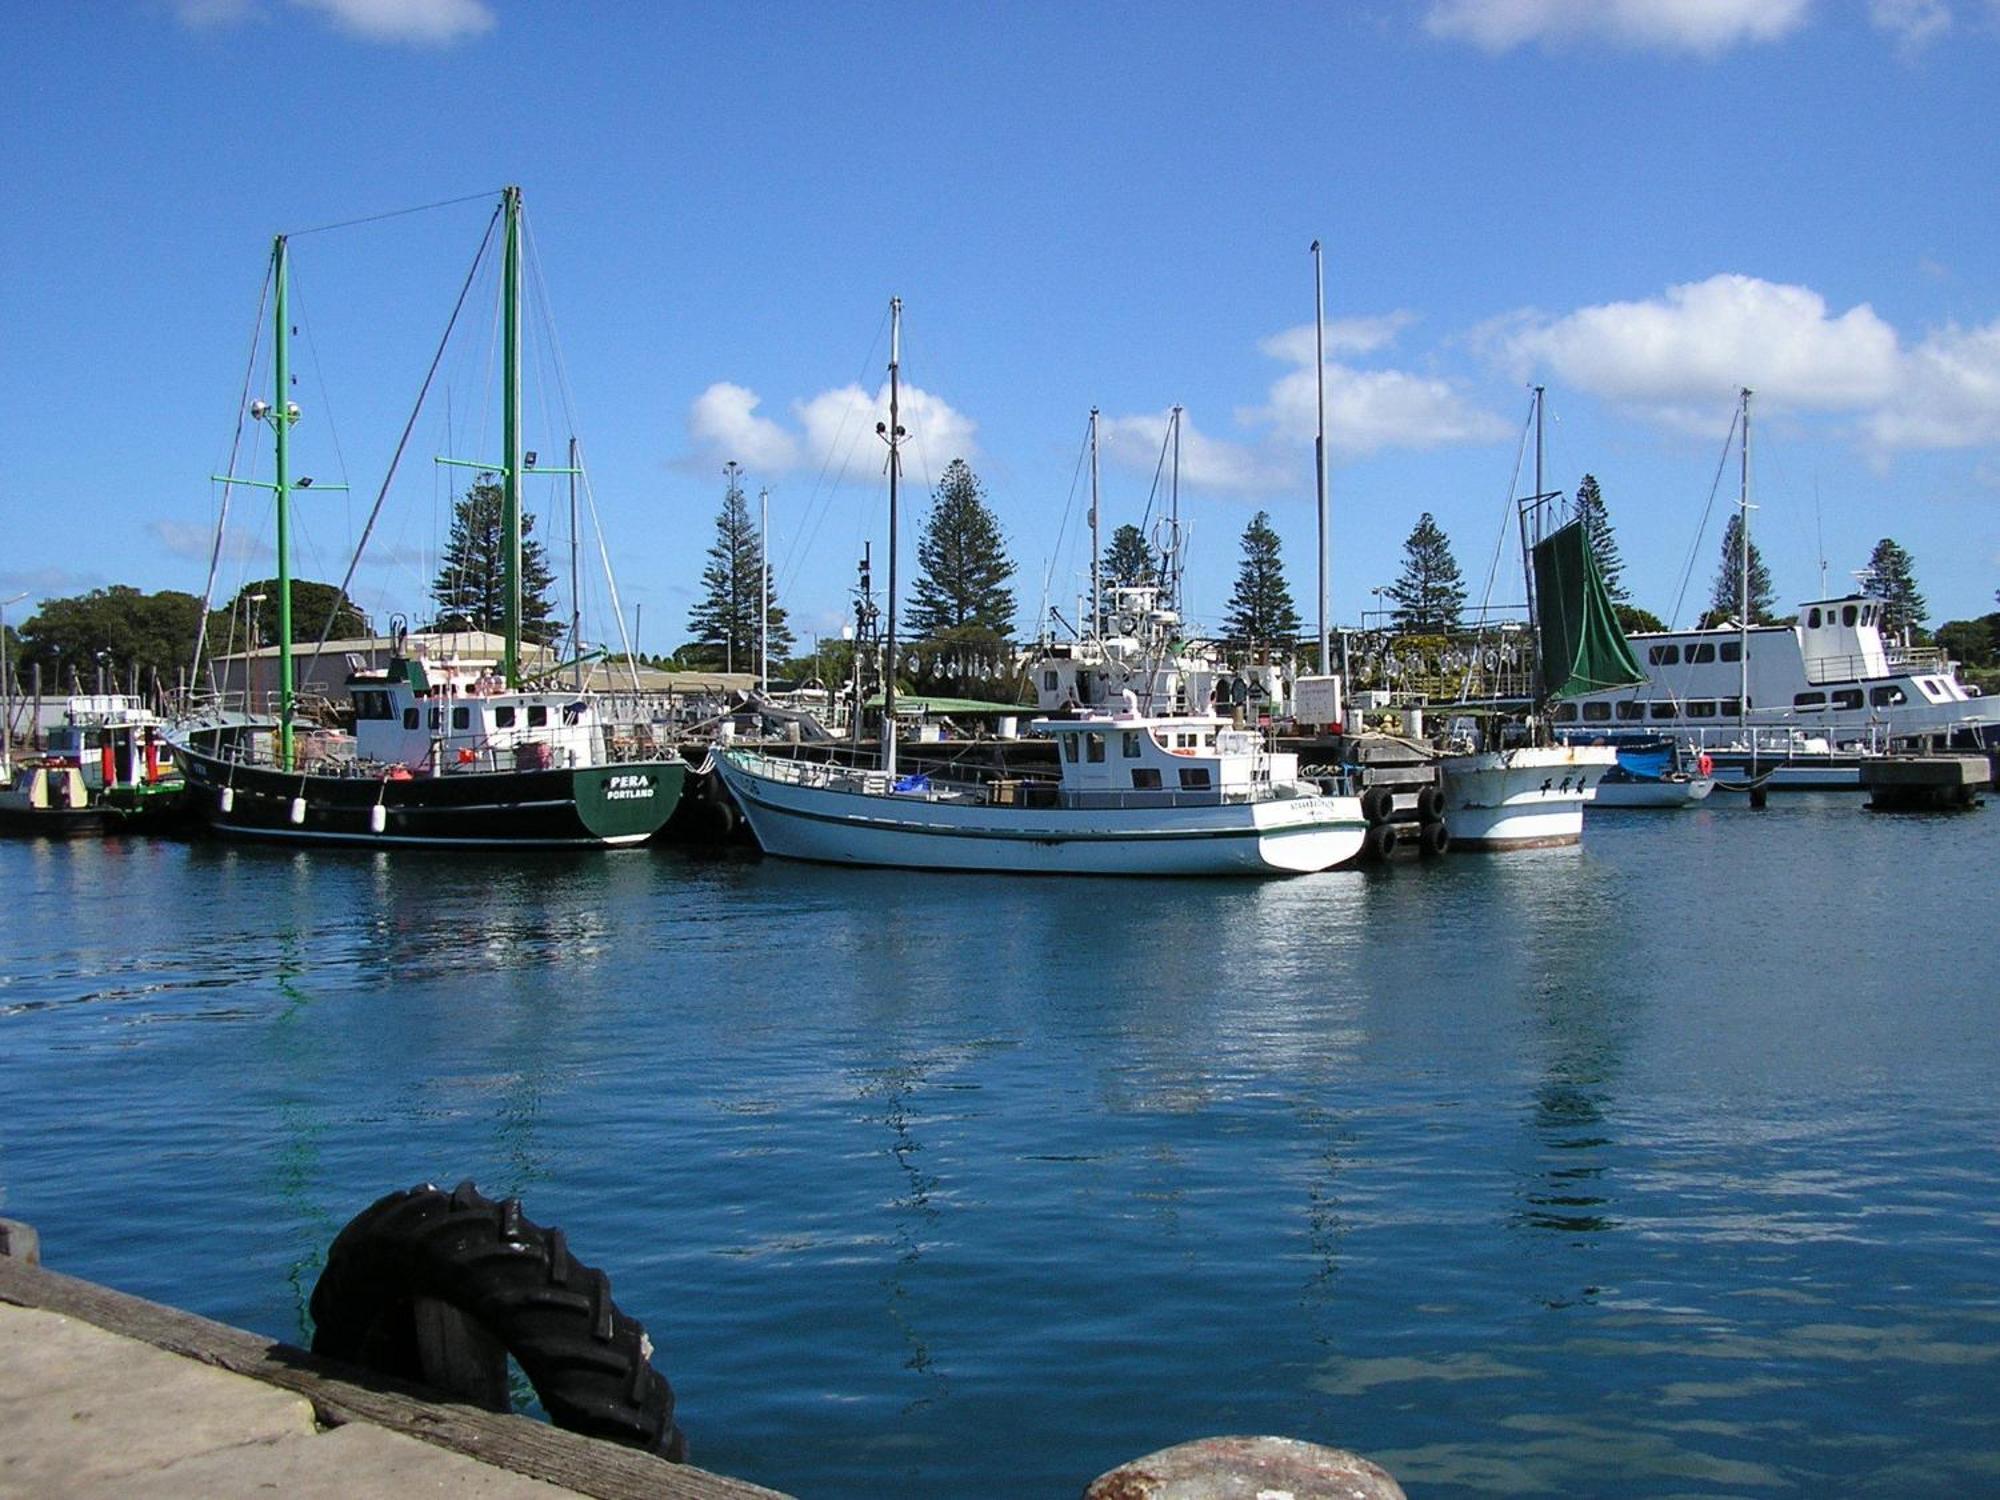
(235,448)
(819,501)
(1694,548)
(1055,551)
(403,442)
(394,213)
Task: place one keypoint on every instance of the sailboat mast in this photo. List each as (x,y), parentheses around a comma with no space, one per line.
(1096,546)
(894,436)
(1319,444)
(1743,575)
(283,414)
(1174,523)
(510,436)
(764,590)
(575,574)
(1529,535)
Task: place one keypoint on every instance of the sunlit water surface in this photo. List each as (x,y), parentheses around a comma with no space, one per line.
(1666,1166)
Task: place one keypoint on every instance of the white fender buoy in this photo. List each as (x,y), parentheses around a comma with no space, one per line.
(227,800)
(298,810)
(378,818)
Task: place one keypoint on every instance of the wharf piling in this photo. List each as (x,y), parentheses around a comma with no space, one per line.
(1925,783)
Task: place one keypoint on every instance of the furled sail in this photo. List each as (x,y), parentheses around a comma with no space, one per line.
(1583,650)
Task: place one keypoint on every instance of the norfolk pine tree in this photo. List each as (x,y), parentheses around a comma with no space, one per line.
(1430,595)
(1892,579)
(724,620)
(471,586)
(1725,598)
(1261,612)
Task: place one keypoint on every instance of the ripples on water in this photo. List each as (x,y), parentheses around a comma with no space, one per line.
(1661,1167)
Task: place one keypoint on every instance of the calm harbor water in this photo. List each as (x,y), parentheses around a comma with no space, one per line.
(1665,1166)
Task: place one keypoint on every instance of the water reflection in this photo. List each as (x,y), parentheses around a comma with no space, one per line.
(893,1090)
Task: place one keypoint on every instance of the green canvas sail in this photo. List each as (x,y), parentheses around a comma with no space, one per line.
(1583,650)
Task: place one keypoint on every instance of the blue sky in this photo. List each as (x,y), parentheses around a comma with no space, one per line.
(1643,204)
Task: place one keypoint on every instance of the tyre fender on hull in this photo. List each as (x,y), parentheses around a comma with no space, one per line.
(413,1255)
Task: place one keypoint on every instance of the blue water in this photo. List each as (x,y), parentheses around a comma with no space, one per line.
(1669,1165)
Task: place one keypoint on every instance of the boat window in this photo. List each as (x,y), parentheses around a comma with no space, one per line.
(1565,713)
(1848,615)
(1809,700)
(461,717)
(1194,778)
(1631,708)
(1069,748)
(1847,698)
(1934,690)
(503,716)
(1732,651)
(1867,614)
(1185,741)
(1732,708)
(410,717)
(1664,656)
(1701,708)
(437,717)
(1882,697)
(1812,618)
(1050,680)
(1145,778)
(1704,652)
(1134,742)
(1597,713)
(1664,709)
(1095,744)
(538,715)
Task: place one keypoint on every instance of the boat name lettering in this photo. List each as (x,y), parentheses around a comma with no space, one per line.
(628,788)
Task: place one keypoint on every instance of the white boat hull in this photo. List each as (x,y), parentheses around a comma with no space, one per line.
(1663,794)
(1528,798)
(835,825)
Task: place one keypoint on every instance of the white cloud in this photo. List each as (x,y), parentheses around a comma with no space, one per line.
(724,421)
(1947,394)
(835,432)
(1343,336)
(183,538)
(432,22)
(1207,463)
(1369,410)
(1703,27)
(1915,24)
(1702,341)
(425,22)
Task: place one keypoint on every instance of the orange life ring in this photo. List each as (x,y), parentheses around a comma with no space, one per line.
(1704,765)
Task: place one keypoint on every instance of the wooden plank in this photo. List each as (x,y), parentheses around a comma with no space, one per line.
(341,1393)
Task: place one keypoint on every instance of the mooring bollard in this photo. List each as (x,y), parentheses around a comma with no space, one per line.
(19,1241)
(1247,1468)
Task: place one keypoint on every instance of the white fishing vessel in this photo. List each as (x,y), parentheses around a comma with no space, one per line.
(1139,795)
(1800,705)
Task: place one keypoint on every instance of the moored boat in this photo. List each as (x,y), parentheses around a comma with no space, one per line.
(1650,775)
(1138,795)
(444,753)
(46,798)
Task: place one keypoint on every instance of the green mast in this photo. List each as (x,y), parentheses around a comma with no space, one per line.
(284,412)
(510,433)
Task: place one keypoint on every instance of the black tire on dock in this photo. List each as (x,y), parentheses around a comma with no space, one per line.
(1430,804)
(1433,839)
(1377,804)
(588,1362)
(1379,842)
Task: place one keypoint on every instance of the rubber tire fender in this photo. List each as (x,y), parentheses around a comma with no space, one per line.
(589,1363)
(1378,803)
(1430,804)
(1433,839)
(1379,842)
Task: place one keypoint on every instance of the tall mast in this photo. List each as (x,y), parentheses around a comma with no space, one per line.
(1534,508)
(1743,574)
(510,435)
(892,434)
(283,414)
(575,574)
(1096,546)
(1174,523)
(764,590)
(1319,444)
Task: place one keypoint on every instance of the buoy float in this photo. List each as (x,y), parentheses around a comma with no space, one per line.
(378,818)
(227,800)
(298,810)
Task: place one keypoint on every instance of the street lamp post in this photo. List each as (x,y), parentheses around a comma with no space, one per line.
(7,692)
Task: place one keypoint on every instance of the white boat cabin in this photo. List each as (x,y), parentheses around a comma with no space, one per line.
(114,739)
(1831,676)
(446,717)
(1198,756)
